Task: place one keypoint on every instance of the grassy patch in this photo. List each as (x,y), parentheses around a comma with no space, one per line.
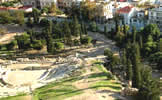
(17,97)
(107,84)
(57,90)
(105,79)
(103,72)
(7,52)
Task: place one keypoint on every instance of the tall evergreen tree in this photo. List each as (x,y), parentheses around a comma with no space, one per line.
(134,34)
(67,34)
(141,42)
(85,29)
(36,15)
(129,70)
(49,41)
(149,89)
(48,36)
(105,30)
(31,33)
(136,67)
(76,27)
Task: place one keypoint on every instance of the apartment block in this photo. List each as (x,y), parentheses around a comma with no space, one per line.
(155,16)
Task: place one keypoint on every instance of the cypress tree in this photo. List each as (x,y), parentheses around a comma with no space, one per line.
(136,67)
(76,27)
(105,30)
(85,29)
(48,36)
(36,15)
(141,42)
(49,42)
(82,27)
(124,58)
(134,34)
(149,89)
(129,70)
(31,33)
(67,34)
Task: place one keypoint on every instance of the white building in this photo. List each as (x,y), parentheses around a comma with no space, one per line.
(127,13)
(155,16)
(2,1)
(38,3)
(139,20)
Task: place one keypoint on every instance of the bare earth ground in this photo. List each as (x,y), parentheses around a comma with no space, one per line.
(22,66)
(23,77)
(12,31)
(6,38)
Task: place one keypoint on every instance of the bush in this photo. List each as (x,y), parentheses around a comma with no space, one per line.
(93,27)
(44,22)
(59,46)
(107,52)
(86,40)
(44,10)
(5,17)
(76,42)
(37,44)
(23,41)
(10,46)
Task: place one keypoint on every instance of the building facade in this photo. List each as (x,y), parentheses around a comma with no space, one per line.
(155,16)
(2,1)
(104,11)
(38,3)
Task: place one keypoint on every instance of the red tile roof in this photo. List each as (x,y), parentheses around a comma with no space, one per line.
(25,7)
(122,0)
(7,8)
(126,9)
(17,8)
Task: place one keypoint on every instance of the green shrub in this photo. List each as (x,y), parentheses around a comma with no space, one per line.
(76,42)
(86,40)
(23,41)
(107,52)
(44,22)
(58,46)
(37,44)
(11,45)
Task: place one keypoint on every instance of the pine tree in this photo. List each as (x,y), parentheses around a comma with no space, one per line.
(149,89)
(36,15)
(76,27)
(80,34)
(49,42)
(134,34)
(48,36)
(129,70)
(67,34)
(141,42)
(85,29)
(105,30)
(82,27)
(31,33)
(136,67)
(124,58)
